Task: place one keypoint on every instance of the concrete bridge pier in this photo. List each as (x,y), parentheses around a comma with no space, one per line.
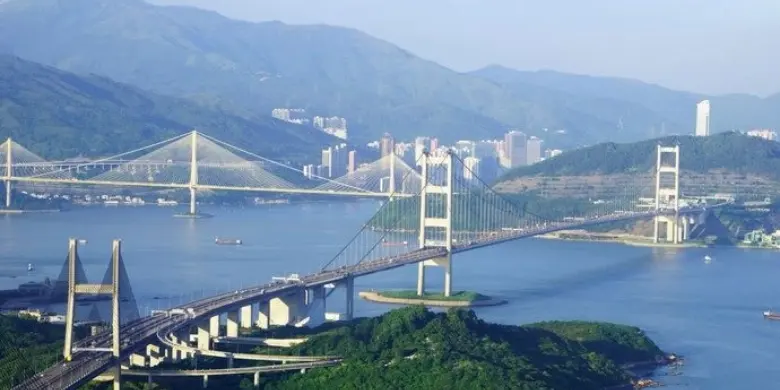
(231,324)
(246,316)
(137,360)
(214,326)
(350,294)
(204,336)
(205,381)
(316,306)
(256,380)
(286,310)
(263,315)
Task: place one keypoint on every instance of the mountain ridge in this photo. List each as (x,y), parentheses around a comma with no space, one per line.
(58,114)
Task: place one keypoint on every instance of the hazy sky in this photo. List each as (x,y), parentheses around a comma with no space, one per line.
(709,46)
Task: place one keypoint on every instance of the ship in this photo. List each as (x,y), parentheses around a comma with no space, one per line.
(227,241)
(771,315)
(30,267)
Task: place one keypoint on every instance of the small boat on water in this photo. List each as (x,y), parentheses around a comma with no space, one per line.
(707,259)
(771,315)
(30,267)
(227,241)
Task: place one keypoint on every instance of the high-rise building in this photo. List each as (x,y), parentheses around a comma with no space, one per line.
(386,145)
(485,149)
(334,125)
(327,161)
(351,161)
(421,144)
(703,118)
(515,143)
(471,168)
(534,150)
(434,144)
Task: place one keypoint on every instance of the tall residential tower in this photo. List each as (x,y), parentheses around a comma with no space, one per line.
(703,118)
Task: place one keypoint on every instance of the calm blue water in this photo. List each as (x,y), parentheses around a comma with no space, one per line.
(710,313)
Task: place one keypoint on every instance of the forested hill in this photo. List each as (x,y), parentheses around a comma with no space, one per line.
(732,152)
(57,115)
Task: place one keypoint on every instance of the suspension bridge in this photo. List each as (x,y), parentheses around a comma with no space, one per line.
(447,215)
(197,162)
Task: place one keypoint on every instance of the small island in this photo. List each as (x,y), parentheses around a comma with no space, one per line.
(410,297)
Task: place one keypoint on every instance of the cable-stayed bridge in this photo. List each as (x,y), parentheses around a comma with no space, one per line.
(197,162)
(447,215)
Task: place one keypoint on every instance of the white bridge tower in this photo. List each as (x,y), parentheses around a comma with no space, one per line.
(667,196)
(439,223)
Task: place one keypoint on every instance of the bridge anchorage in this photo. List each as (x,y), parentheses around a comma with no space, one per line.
(199,165)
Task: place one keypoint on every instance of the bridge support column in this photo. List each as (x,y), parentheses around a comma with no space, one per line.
(256,380)
(204,336)
(246,316)
(263,315)
(232,324)
(441,225)
(350,295)
(668,194)
(9,172)
(137,360)
(286,310)
(214,326)
(316,306)
(205,381)
(230,361)
(193,171)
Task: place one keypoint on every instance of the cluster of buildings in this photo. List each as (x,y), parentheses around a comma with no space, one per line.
(336,161)
(335,126)
(485,159)
(703,124)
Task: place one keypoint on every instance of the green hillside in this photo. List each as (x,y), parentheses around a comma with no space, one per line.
(251,68)
(60,115)
(732,152)
(413,348)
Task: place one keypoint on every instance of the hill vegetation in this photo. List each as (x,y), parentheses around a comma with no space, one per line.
(732,152)
(61,115)
(413,348)
(251,68)
(27,346)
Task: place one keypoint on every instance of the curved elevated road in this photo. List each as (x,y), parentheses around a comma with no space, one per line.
(137,334)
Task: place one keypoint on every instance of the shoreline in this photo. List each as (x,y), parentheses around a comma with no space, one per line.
(20,211)
(616,239)
(373,296)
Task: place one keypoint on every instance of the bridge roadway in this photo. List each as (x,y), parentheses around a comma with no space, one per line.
(137,334)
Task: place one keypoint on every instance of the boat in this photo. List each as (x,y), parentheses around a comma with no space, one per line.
(771,315)
(707,259)
(30,267)
(227,241)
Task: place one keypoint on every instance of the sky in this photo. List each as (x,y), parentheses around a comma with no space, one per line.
(706,46)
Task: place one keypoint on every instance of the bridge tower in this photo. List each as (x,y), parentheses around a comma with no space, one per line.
(193,172)
(112,289)
(9,172)
(429,223)
(667,194)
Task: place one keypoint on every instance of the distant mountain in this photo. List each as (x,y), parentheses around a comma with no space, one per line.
(251,68)
(58,115)
(641,104)
(254,67)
